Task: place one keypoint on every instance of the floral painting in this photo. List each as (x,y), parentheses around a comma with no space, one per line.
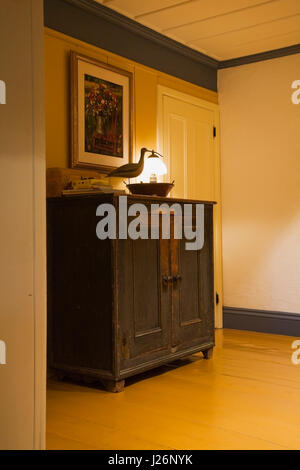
(103,117)
(101,114)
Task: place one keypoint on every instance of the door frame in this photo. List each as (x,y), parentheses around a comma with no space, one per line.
(163,92)
(39,225)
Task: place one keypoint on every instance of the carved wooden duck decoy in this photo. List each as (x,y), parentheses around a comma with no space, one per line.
(131,170)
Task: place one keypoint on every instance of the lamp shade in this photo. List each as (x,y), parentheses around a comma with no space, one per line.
(154,166)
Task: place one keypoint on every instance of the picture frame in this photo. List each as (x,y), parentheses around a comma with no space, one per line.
(101,114)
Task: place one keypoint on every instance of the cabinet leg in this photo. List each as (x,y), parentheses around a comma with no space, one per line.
(208,353)
(114,387)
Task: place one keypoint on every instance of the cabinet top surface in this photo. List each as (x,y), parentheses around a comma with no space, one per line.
(131,197)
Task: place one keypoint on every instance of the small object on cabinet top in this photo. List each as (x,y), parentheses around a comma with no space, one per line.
(102,190)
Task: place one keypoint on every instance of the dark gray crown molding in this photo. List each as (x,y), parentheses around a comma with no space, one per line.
(100,26)
(103,27)
(137,28)
(250,59)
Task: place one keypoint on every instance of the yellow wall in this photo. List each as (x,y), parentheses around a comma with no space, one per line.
(57,49)
(260,166)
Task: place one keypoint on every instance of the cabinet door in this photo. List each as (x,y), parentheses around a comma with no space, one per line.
(143,299)
(192,293)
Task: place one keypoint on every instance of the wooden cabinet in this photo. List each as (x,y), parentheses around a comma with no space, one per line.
(119,307)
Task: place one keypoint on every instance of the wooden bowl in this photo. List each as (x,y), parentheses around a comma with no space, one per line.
(151,189)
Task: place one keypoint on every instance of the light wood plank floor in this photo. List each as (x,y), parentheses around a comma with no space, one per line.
(246,397)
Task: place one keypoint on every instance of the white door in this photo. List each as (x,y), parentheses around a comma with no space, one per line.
(188,137)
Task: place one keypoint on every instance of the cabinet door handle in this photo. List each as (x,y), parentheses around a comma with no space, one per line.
(167,279)
(176,277)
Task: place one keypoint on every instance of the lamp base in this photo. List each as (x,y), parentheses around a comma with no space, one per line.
(151,189)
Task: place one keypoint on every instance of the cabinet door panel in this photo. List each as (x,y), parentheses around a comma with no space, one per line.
(193,302)
(144,300)
(189,286)
(146,289)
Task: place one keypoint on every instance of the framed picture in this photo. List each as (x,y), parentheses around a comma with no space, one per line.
(101,113)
